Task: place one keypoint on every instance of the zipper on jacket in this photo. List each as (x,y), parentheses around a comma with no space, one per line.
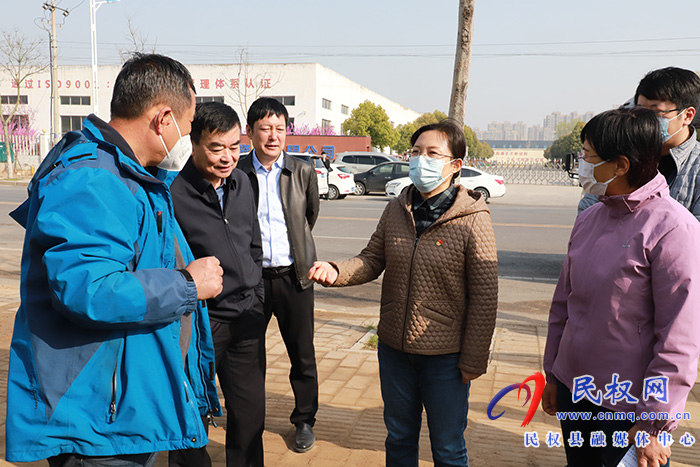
(159,221)
(410,277)
(210,419)
(222,210)
(113,403)
(410,268)
(408,295)
(202,377)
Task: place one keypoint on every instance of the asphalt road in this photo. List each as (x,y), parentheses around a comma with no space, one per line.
(531,240)
(11,234)
(531,244)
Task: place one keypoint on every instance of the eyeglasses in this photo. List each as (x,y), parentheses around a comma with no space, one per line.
(582,155)
(661,113)
(429,154)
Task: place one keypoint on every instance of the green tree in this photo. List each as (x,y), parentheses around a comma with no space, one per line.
(428,118)
(404,133)
(565,128)
(476,149)
(369,119)
(566,144)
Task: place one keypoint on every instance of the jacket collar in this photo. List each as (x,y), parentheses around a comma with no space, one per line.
(246,163)
(190,173)
(466,202)
(681,152)
(655,188)
(102,130)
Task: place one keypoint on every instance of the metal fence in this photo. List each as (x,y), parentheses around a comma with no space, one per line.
(526,172)
(26,150)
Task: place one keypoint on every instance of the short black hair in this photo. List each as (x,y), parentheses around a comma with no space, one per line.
(455,138)
(213,117)
(266,106)
(631,132)
(676,85)
(146,80)
(450,128)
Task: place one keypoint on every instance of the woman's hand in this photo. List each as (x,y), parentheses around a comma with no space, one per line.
(323,273)
(549,399)
(654,454)
(466,376)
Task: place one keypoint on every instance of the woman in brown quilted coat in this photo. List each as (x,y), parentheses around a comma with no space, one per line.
(436,247)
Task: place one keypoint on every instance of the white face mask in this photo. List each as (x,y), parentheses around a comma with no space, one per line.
(587,178)
(177,157)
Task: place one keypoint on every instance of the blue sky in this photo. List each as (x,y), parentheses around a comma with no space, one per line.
(530,57)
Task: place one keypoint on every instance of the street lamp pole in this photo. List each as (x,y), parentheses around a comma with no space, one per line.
(94,5)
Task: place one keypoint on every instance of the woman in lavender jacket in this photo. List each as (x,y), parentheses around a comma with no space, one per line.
(625,316)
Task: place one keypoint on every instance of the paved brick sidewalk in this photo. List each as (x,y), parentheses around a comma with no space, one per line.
(350,431)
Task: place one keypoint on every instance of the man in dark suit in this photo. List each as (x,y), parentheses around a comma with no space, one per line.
(287,195)
(215,206)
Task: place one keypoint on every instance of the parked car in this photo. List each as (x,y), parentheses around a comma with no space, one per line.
(376,178)
(340,183)
(490,186)
(321,171)
(356,162)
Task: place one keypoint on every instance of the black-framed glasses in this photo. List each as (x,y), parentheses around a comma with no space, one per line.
(661,113)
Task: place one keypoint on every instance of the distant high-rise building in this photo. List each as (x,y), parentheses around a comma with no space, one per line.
(519,131)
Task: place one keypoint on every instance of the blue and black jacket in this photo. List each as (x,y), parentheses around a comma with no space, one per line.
(111,351)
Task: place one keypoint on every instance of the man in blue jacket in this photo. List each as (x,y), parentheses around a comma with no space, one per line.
(111,358)
(215,206)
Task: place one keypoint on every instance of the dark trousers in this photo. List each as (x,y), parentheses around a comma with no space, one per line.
(586,455)
(239,347)
(294,310)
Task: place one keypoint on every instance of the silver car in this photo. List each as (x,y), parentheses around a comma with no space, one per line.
(356,162)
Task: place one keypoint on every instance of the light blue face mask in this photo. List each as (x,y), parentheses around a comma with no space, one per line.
(663,122)
(426,173)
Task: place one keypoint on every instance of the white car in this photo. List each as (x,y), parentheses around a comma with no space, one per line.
(490,186)
(340,183)
(321,171)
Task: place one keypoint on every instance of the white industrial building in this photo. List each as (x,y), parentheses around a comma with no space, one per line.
(313,94)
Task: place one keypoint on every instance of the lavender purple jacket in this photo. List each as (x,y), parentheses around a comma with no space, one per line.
(628,300)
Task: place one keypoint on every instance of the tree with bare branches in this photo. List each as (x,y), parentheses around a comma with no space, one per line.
(20,58)
(138,42)
(248,86)
(460,79)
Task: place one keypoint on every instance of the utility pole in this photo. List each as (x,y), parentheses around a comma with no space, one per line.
(55,117)
(460,79)
(94,5)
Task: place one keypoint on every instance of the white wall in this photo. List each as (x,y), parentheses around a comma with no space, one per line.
(308,82)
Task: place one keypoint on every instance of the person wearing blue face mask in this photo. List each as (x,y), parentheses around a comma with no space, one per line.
(436,247)
(674,94)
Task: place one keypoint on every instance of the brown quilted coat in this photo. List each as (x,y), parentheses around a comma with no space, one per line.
(441,296)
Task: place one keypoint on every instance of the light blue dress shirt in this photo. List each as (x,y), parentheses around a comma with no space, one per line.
(273,227)
(220,193)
